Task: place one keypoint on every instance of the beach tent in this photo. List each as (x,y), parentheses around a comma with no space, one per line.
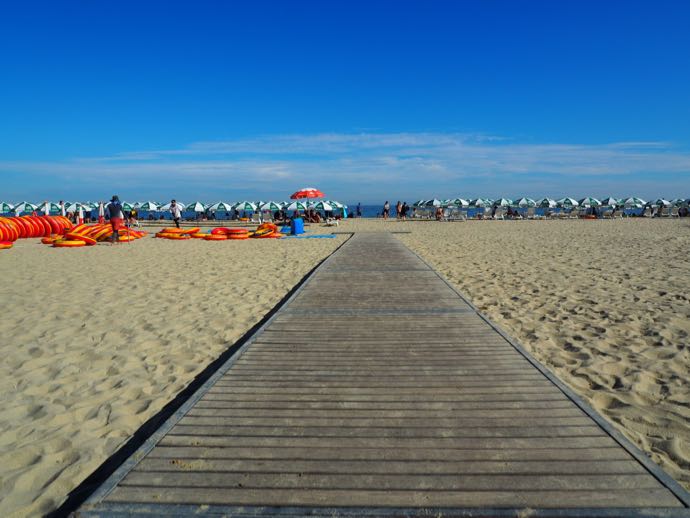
(610,202)
(634,203)
(525,202)
(246,206)
(589,202)
(502,202)
(24,206)
(297,205)
(6,207)
(567,203)
(547,203)
(196,206)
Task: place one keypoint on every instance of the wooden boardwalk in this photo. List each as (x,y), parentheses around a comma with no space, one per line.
(378,390)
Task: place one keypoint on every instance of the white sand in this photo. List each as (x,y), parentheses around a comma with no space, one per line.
(95,341)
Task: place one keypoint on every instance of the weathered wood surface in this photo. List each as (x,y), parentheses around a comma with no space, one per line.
(378,385)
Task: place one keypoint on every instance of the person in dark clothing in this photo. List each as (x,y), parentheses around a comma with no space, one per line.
(117,217)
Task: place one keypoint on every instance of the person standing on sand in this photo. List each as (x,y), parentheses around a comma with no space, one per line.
(62,208)
(116,216)
(398,209)
(176,212)
(359,210)
(386,209)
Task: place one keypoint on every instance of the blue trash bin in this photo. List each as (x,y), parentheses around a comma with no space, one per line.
(297,226)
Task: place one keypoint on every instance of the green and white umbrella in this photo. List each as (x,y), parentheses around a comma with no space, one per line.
(24,206)
(433,203)
(323,205)
(149,205)
(336,204)
(678,202)
(610,202)
(481,202)
(503,202)
(419,203)
(5,207)
(196,206)
(589,202)
(547,203)
(167,206)
(246,206)
(460,202)
(74,207)
(297,205)
(525,202)
(567,203)
(662,202)
(270,206)
(634,203)
(127,206)
(49,207)
(220,206)
(90,205)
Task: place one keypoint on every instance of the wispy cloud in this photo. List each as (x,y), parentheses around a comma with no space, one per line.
(404,163)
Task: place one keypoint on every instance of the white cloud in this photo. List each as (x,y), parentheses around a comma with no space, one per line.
(385,162)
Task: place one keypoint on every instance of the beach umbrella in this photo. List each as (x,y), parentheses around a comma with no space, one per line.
(610,202)
(127,206)
(323,205)
(525,202)
(307,192)
(297,205)
(547,203)
(502,202)
(270,206)
(24,206)
(5,207)
(90,205)
(634,203)
(589,202)
(662,202)
(678,202)
(568,203)
(461,202)
(167,206)
(74,207)
(246,206)
(196,206)
(49,208)
(336,204)
(481,202)
(149,205)
(220,206)
(433,203)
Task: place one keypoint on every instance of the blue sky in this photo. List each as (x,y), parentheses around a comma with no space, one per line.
(365,100)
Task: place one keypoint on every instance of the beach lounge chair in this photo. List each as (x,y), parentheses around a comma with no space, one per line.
(607,214)
(500,214)
(647,212)
(674,212)
(256,217)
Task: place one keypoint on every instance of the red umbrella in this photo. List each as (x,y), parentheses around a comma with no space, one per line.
(307,192)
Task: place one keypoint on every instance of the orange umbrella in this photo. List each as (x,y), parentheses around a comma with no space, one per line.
(307,192)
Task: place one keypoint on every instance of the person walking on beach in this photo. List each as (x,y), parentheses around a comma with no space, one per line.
(176,212)
(117,218)
(386,209)
(359,210)
(62,208)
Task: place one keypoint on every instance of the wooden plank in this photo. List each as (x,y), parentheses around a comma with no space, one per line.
(374,498)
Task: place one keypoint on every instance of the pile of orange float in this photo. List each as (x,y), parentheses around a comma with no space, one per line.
(21,227)
(89,235)
(265,230)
